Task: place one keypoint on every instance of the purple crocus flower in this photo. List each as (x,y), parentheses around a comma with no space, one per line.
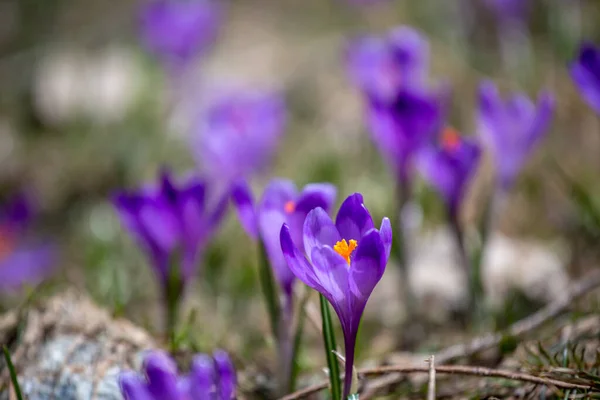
(346,259)
(238,134)
(210,378)
(450,166)
(511,128)
(400,128)
(380,66)
(172,222)
(179,30)
(281,203)
(23,259)
(585,72)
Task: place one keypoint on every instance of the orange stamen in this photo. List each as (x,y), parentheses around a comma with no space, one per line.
(345,249)
(289,207)
(450,139)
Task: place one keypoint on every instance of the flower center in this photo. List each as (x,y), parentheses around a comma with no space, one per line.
(450,139)
(289,207)
(345,249)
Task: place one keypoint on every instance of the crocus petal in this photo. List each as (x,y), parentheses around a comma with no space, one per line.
(585,72)
(411,52)
(278,193)
(271,222)
(244,205)
(319,230)
(27,265)
(543,117)
(133,387)
(202,378)
(226,373)
(353,218)
(385,231)
(316,195)
(331,271)
(297,262)
(490,112)
(161,372)
(367,267)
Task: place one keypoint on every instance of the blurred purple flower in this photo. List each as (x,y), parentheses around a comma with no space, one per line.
(177,31)
(238,134)
(209,378)
(450,167)
(281,203)
(585,72)
(345,262)
(509,10)
(511,128)
(380,66)
(23,260)
(400,128)
(171,221)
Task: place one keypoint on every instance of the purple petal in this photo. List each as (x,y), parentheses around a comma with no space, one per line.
(385,231)
(244,204)
(543,117)
(202,378)
(297,262)
(319,230)
(278,193)
(177,31)
(133,387)
(161,372)
(316,195)
(271,222)
(226,373)
(26,265)
(367,267)
(331,271)
(490,113)
(585,72)
(17,213)
(411,52)
(353,218)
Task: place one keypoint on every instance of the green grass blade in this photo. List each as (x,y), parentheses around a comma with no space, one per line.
(267,284)
(13,373)
(298,342)
(330,347)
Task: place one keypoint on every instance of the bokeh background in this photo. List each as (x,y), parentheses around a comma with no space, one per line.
(85,112)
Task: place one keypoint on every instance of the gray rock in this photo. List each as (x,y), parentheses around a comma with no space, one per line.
(70,349)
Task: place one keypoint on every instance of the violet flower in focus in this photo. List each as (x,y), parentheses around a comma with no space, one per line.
(381,66)
(177,31)
(238,134)
(585,72)
(450,167)
(24,261)
(511,128)
(281,203)
(346,259)
(210,378)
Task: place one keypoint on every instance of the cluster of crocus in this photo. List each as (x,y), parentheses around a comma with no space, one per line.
(24,261)
(511,129)
(585,72)
(238,133)
(210,378)
(177,31)
(346,259)
(172,223)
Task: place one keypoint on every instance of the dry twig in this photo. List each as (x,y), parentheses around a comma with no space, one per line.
(431,386)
